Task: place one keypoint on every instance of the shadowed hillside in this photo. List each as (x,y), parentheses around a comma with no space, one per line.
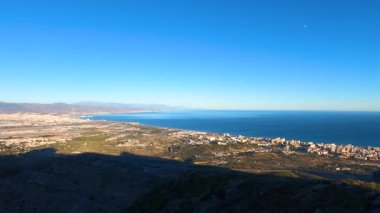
(43,180)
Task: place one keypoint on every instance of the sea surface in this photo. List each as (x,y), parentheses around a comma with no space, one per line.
(357,128)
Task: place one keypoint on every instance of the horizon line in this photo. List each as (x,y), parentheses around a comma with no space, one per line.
(183,108)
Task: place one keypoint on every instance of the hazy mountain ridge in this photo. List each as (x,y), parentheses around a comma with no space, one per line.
(80,107)
(132,106)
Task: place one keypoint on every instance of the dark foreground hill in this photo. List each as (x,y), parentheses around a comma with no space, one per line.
(44,181)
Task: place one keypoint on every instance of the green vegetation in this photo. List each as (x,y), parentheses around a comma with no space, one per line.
(89,142)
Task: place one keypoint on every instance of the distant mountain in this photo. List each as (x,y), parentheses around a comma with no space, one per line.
(34,107)
(81,107)
(145,107)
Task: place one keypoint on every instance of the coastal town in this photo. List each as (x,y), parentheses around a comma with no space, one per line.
(261,144)
(50,153)
(27,131)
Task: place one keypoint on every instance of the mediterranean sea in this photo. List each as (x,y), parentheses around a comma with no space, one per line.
(357,128)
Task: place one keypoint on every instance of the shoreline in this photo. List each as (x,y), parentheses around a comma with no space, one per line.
(287,146)
(210,132)
(188,137)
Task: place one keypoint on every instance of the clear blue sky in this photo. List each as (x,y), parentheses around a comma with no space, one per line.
(306,54)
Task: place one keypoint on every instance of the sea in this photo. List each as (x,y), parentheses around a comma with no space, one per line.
(356,128)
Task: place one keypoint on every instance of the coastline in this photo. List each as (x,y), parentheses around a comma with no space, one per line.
(279,144)
(61,128)
(66,155)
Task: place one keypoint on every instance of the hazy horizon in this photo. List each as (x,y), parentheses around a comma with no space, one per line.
(184,108)
(247,55)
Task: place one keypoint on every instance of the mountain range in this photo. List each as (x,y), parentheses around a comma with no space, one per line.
(80,107)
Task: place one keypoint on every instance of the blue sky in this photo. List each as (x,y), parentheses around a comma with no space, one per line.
(317,54)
